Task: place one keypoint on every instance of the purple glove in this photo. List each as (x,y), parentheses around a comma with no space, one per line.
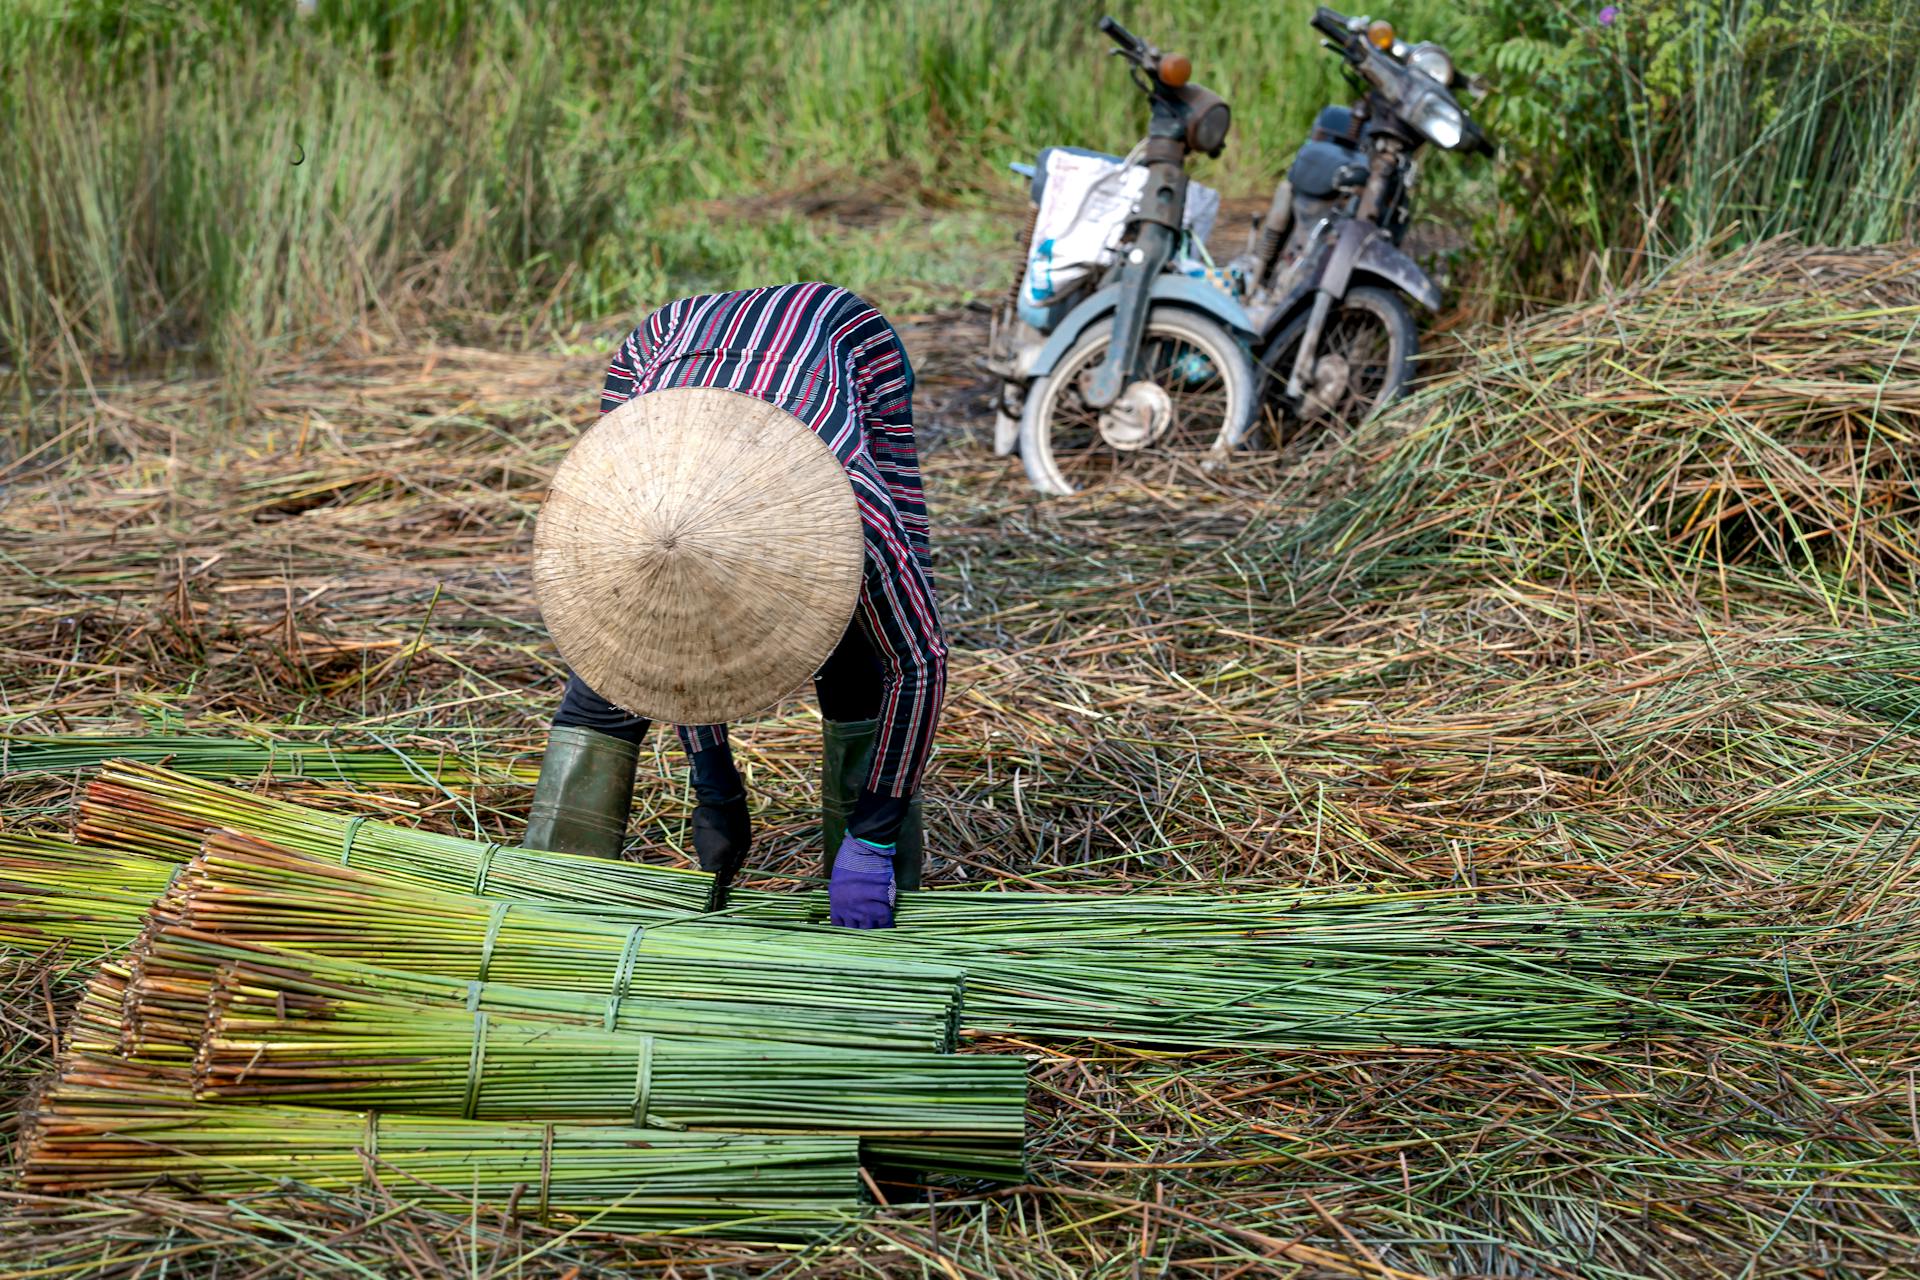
(860,895)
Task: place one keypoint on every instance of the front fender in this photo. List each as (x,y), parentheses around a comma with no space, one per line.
(1372,254)
(1181,291)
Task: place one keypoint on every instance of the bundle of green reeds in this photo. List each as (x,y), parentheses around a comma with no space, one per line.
(160,811)
(245,889)
(1360,969)
(256,975)
(154,1003)
(54,892)
(959,1114)
(611,1178)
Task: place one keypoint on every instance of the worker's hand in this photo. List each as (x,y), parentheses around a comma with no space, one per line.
(860,896)
(721,836)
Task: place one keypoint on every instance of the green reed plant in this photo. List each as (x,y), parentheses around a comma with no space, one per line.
(1679,123)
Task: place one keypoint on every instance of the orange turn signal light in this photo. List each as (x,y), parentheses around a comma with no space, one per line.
(1175,70)
(1380,34)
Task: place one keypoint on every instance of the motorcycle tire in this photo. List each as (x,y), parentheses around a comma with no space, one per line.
(1392,372)
(1206,374)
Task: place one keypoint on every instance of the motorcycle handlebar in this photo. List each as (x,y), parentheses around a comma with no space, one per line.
(1331,23)
(1121,36)
(1169,69)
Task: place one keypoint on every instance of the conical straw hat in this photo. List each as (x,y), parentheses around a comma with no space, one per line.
(698,556)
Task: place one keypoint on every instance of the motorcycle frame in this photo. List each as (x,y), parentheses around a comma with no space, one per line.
(1129,290)
(1360,246)
(1348,245)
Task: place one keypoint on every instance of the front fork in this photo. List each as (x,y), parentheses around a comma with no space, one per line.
(1156,230)
(1309,353)
(1339,269)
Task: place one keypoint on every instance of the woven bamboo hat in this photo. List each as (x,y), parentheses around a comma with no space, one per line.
(698,556)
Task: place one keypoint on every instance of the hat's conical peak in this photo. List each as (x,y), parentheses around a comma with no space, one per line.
(698,556)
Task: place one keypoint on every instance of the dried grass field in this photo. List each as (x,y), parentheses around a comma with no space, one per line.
(1617,613)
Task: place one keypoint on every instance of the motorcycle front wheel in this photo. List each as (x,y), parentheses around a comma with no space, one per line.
(1206,386)
(1371,332)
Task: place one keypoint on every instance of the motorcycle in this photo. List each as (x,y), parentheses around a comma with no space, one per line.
(1326,278)
(1120,334)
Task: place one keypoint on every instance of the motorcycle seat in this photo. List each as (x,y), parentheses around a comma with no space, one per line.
(1334,124)
(1317,165)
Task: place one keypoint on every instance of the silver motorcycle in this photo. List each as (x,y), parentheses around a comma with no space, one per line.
(1327,282)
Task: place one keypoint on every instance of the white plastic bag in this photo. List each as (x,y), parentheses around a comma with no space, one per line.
(1084,206)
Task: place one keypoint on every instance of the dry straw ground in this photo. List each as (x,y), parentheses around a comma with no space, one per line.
(1618,614)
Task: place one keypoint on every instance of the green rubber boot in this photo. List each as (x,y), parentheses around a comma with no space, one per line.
(585,792)
(848,758)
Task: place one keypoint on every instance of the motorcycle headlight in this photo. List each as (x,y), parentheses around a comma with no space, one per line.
(1433,62)
(1207,132)
(1439,119)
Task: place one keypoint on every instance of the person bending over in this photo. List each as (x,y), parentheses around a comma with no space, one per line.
(700,553)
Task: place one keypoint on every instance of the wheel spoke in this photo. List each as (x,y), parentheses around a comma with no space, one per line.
(1197,391)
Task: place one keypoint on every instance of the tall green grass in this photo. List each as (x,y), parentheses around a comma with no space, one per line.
(565,159)
(1683,123)
(570,160)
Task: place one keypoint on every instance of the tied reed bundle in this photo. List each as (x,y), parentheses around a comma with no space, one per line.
(257,976)
(54,892)
(160,812)
(929,1113)
(243,889)
(613,1178)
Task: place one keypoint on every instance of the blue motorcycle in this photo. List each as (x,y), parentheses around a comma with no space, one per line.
(1121,336)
